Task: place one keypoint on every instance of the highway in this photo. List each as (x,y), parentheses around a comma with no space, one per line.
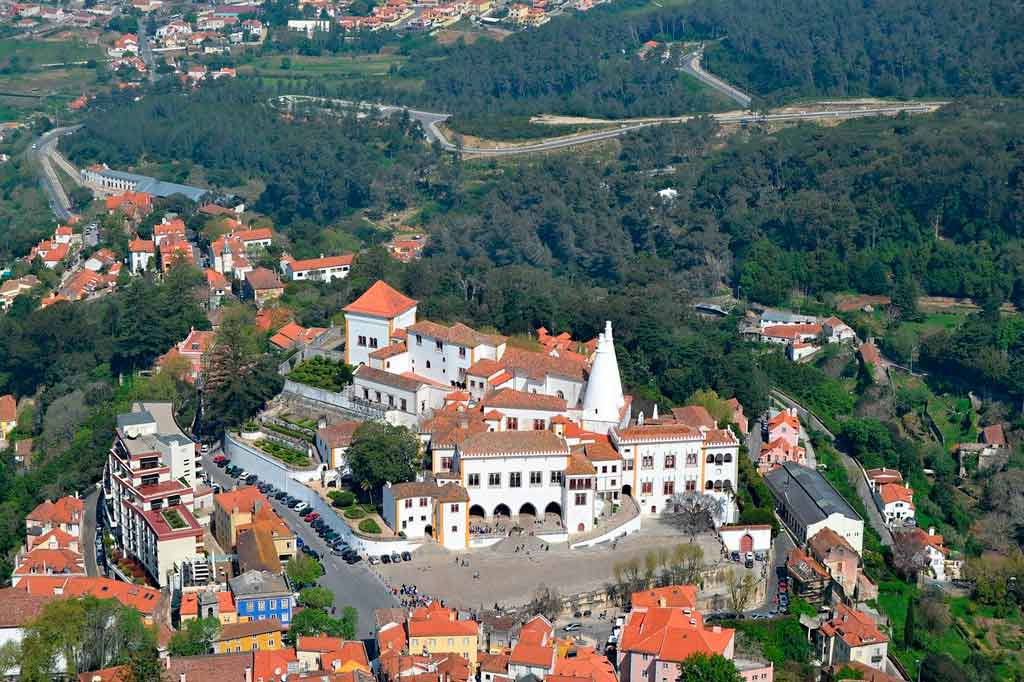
(429,121)
(40,155)
(691,65)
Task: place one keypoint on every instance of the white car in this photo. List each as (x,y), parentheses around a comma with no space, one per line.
(572,626)
(301,507)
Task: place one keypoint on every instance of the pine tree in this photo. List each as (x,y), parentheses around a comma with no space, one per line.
(908,625)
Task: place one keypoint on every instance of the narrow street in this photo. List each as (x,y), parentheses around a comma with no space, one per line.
(356,586)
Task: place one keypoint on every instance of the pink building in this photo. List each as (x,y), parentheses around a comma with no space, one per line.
(778,452)
(784,425)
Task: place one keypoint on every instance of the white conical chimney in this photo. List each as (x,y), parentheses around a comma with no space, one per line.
(603,398)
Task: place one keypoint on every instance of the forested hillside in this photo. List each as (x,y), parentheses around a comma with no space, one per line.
(906,48)
(588,64)
(317,170)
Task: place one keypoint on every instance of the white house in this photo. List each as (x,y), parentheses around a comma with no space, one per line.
(444,353)
(837,331)
(521,411)
(896,502)
(323,269)
(743,539)
(371,320)
(425,509)
(408,396)
(807,503)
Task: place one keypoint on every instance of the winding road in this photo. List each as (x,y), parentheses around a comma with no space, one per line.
(41,154)
(430,120)
(691,65)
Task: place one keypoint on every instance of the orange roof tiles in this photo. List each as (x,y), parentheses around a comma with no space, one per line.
(894,492)
(577,466)
(381,300)
(854,627)
(587,664)
(674,596)
(244,498)
(8,408)
(513,442)
(869,353)
(784,418)
(438,621)
(458,334)
(694,416)
(143,599)
(66,510)
(672,635)
(508,398)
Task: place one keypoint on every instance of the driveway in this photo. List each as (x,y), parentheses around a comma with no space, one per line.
(356,586)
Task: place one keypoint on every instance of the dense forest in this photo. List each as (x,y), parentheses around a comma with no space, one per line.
(894,48)
(590,64)
(315,169)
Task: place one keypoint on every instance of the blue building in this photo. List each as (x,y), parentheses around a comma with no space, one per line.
(260,595)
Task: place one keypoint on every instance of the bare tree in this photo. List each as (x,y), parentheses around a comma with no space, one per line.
(909,555)
(547,602)
(684,565)
(741,587)
(934,612)
(693,512)
(629,578)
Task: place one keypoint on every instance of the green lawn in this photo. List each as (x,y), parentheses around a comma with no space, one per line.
(321,373)
(342,66)
(28,87)
(284,453)
(38,52)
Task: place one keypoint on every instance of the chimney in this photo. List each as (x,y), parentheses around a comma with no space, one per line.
(654,413)
(931,530)
(181,677)
(640,419)
(248,673)
(661,602)
(451,615)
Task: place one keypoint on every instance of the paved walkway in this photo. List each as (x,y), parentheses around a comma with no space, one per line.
(89,533)
(510,577)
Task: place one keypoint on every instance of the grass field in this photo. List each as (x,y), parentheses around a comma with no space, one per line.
(25,85)
(332,67)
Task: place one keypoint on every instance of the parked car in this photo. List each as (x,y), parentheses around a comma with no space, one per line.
(736,556)
(292,503)
(280,495)
(352,559)
(749,563)
(311,517)
(204,448)
(406,556)
(217,489)
(301,507)
(571,627)
(373,560)
(220,460)
(385,559)
(396,558)
(252,479)
(338,552)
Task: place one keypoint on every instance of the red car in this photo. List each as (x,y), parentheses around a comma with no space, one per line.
(311,517)
(220,459)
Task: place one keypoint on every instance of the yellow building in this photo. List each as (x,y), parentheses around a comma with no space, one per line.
(253,635)
(436,630)
(247,508)
(208,603)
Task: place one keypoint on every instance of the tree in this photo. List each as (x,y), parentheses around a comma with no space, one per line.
(382,453)
(196,637)
(684,565)
(909,555)
(316,597)
(303,570)
(740,586)
(312,622)
(693,512)
(547,602)
(909,628)
(934,612)
(705,668)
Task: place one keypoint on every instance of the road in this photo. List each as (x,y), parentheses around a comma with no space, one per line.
(89,533)
(691,65)
(355,586)
(429,121)
(39,155)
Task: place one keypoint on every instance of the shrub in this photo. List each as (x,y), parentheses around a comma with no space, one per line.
(342,498)
(354,513)
(369,526)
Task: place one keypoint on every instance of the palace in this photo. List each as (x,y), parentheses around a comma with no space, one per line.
(523,433)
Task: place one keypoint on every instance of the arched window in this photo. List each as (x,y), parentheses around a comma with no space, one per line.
(428,364)
(728,457)
(560,394)
(709,485)
(711,459)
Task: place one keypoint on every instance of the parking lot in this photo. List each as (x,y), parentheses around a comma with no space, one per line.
(353,585)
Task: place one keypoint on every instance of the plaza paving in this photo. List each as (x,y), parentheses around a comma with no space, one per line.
(479,578)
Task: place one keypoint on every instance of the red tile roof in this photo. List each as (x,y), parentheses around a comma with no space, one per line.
(894,492)
(66,510)
(854,627)
(672,635)
(322,262)
(694,416)
(143,599)
(676,596)
(508,398)
(381,300)
(513,442)
(437,621)
(18,607)
(262,279)
(8,408)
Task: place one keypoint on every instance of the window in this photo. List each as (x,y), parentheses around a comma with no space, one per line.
(419,340)
(378,395)
(438,345)
(404,405)
(536,478)
(454,508)
(669,487)
(473,480)
(451,641)
(455,529)
(428,364)
(494,480)
(446,464)
(647,462)
(511,423)
(515,480)
(373,342)
(361,341)
(366,394)
(423,502)
(462,352)
(391,401)
(408,503)
(581,499)
(539,425)
(646,487)
(711,459)
(691,459)
(627,465)
(615,467)
(691,486)
(613,484)
(556,478)
(604,469)
(670,461)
